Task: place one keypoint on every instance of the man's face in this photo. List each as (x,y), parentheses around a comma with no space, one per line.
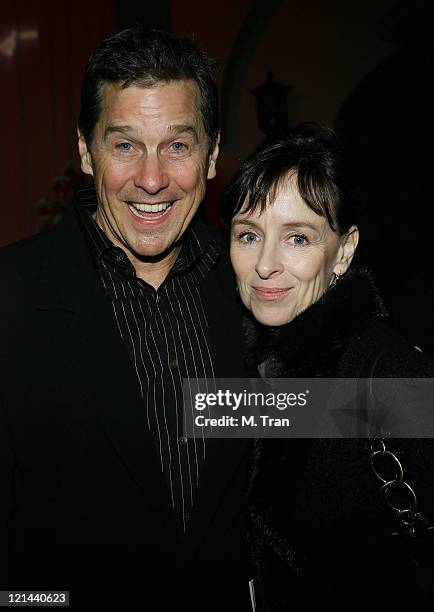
(150,160)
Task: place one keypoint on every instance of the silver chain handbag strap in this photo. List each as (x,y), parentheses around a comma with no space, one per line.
(397,494)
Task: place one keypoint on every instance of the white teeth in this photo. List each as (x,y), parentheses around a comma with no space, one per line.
(152,208)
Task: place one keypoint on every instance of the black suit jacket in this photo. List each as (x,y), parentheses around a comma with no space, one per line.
(84,505)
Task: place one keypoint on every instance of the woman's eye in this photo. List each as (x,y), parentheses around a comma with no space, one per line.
(247,237)
(298,240)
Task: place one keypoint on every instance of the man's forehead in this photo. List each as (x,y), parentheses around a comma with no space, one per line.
(172,105)
(182,93)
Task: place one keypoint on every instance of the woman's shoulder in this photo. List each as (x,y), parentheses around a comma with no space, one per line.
(381,351)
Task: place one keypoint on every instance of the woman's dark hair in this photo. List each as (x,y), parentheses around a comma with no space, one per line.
(311,154)
(147,57)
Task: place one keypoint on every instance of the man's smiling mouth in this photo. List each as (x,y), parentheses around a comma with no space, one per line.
(143,210)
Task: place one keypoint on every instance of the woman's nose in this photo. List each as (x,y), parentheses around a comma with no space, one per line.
(151,175)
(269,263)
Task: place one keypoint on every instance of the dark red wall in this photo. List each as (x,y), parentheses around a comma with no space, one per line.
(44,46)
(321,49)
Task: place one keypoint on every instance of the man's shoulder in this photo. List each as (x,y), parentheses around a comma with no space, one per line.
(218,235)
(37,243)
(21,262)
(22,250)
(222,271)
(205,234)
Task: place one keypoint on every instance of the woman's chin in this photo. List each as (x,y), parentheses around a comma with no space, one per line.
(270,318)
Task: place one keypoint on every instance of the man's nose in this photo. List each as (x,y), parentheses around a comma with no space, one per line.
(269,263)
(151,174)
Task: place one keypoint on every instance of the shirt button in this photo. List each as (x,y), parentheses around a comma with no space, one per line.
(182,440)
(187,517)
(173,363)
(119,257)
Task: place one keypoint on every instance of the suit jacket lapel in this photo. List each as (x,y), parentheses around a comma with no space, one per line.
(96,351)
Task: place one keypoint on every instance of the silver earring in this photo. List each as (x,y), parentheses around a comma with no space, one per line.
(335,279)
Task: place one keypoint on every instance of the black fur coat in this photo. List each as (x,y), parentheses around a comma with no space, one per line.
(320,536)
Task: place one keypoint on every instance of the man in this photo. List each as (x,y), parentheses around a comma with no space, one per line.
(101,319)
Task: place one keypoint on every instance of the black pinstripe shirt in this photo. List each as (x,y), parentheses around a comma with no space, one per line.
(166,334)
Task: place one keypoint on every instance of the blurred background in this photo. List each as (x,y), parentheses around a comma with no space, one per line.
(364,67)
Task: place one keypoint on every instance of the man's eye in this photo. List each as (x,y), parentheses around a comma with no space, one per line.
(178,147)
(247,237)
(124,146)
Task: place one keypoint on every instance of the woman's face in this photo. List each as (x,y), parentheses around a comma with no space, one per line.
(285,257)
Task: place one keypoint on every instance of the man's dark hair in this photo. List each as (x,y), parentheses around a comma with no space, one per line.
(146,58)
(311,154)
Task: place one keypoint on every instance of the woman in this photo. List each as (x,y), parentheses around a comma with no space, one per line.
(318,526)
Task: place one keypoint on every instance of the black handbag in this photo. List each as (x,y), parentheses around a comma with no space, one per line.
(411,529)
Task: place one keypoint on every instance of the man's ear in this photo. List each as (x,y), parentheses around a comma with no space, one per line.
(212,159)
(346,251)
(85,156)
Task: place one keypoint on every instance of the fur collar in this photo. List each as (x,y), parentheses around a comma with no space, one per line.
(312,344)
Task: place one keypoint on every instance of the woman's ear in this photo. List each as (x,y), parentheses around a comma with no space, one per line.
(85,156)
(348,246)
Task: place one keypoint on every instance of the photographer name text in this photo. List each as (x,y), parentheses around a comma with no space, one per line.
(243,421)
